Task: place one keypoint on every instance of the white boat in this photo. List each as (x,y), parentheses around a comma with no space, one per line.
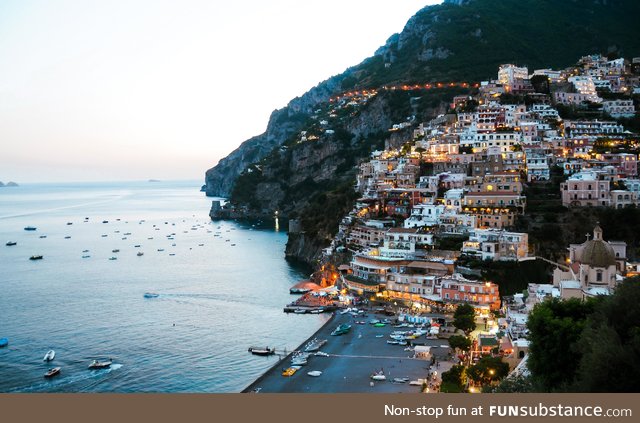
(321,354)
(314,373)
(379,376)
(50,355)
(95,364)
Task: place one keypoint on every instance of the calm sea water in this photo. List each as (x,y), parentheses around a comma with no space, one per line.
(215,299)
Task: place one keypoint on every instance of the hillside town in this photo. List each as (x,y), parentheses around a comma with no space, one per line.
(446,195)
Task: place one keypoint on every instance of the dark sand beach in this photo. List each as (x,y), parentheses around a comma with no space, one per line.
(352,359)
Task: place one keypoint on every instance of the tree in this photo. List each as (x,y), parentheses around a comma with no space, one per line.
(611,343)
(454,379)
(555,327)
(487,370)
(514,384)
(465,318)
(460,342)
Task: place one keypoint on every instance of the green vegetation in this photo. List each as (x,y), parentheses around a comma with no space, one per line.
(460,342)
(591,346)
(488,370)
(469,42)
(464,318)
(454,380)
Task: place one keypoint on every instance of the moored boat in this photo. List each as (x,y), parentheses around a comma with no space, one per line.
(36,257)
(314,373)
(262,351)
(4,342)
(50,355)
(30,228)
(151,295)
(378,376)
(95,364)
(341,330)
(10,243)
(53,372)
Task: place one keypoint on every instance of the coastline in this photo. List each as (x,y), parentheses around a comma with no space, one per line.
(352,359)
(273,368)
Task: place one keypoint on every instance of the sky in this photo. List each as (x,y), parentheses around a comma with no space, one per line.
(152,89)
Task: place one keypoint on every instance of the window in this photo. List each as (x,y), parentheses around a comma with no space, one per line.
(599,277)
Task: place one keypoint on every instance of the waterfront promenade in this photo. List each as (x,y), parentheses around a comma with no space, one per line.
(353,358)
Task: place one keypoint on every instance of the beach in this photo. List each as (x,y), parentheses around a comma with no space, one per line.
(353,358)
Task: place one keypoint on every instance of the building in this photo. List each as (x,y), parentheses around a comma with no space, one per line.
(619,108)
(482,295)
(497,245)
(508,74)
(586,188)
(594,267)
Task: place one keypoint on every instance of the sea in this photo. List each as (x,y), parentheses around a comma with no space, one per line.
(221,287)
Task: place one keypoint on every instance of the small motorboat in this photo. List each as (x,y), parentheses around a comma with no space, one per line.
(115,251)
(50,355)
(151,295)
(10,243)
(105,221)
(140,253)
(69,223)
(113,258)
(86,256)
(262,351)
(95,364)
(321,354)
(104,235)
(341,330)
(85,251)
(36,257)
(30,228)
(378,376)
(42,236)
(314,373)
(4,342)
(53,372)
(67,237)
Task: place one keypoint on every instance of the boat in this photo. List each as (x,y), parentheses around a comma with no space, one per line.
(314,373)
(36,257)
(67,237)
(160,249)
(315,345)
(151,295)
(400,379)
(43,236)
(316,311)
(4,342)
(321,354)
(379,376)
(262,351)
(50,355)
(140,253)
(53,372)
(69,223)
(300,311)
(30,228)
(341,330)
(113,258)
(105,221)
(290,371)
(299,290)
(86,256)
(104,235)
(10,243)
(115,251)
(85,251)
(95,364)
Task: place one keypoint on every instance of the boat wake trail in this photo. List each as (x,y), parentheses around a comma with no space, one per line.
(61,381)
(110,198)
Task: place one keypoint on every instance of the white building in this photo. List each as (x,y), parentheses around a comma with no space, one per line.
(508,74)
(497,245)
(619,108)
(424,215)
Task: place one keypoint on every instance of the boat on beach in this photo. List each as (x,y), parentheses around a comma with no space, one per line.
(53,372)
(50,355)
(379,376)
(315,344)
(341,330)
(262,351)
(95,364)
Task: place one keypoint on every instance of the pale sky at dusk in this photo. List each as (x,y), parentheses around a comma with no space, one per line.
(126,90)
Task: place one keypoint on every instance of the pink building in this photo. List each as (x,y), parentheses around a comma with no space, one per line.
(586,189)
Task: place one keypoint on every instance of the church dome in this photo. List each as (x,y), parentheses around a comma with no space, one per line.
(597,252)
